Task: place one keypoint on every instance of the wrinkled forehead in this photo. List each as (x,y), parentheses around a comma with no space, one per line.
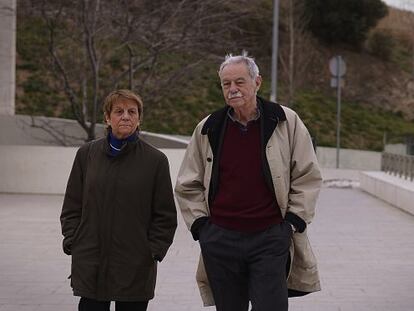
(234,71)
(124,103)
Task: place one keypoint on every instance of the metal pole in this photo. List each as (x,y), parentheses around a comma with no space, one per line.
(8,57)
(275,41)
(338,111)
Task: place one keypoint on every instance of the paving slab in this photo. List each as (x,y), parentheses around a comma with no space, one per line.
(365,250)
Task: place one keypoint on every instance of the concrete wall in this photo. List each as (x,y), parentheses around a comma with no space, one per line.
(27,130)
(45,169)
(392,189)
(35,169)
(396,148)
(349,159)
(42,131)
(7,56)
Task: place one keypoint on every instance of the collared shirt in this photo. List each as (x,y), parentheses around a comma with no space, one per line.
(243,127)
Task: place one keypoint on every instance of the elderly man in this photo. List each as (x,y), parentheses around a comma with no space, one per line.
(247,189)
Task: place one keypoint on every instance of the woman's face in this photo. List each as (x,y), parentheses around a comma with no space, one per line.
(124,118)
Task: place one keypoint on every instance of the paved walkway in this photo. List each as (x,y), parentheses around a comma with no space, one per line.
(365,249)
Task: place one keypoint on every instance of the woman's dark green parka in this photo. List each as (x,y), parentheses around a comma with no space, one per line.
(118,219)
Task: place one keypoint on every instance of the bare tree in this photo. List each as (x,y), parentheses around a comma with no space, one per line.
(297,50)
(408,18)
(150,46)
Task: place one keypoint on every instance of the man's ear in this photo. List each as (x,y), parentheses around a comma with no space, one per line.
(258,82)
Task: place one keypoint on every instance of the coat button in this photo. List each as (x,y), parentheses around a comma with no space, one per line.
(209,160)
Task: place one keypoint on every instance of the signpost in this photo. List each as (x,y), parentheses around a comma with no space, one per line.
(337,67)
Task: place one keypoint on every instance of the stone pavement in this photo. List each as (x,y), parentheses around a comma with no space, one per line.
(365,250)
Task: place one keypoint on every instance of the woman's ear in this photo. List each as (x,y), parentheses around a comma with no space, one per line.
(107,119)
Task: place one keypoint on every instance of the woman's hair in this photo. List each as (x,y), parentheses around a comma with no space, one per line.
(115,96)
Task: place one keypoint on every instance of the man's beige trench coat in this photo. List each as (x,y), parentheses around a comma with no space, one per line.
(296,180)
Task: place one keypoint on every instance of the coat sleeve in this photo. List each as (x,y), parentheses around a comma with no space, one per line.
(189,189)
(70,216)
(305,177)
(164,214)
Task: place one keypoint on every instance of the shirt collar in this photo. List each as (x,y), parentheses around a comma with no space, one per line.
(230,113)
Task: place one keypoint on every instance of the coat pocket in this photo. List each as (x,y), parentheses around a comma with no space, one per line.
(132,280)
(84,276)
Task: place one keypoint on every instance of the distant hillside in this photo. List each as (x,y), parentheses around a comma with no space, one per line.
(378,98)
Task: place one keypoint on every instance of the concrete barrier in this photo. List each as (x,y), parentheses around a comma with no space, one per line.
(349,159)
(35,169)
(45,169)
(43,131)
(392,189)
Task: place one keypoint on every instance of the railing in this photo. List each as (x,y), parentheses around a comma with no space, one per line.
(397,164)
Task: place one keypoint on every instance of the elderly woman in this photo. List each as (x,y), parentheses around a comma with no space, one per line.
(118,216)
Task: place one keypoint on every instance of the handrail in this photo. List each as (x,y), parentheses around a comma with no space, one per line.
(397,164)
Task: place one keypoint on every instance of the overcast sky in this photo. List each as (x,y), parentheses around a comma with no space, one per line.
(403,4)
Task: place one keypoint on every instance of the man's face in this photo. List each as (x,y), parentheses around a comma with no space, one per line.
(239,89)
(124,118)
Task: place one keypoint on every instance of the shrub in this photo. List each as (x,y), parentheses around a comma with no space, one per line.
(381,44)
(340,21)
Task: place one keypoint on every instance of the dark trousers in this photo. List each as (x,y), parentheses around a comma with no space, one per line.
(243,267)
(86,304)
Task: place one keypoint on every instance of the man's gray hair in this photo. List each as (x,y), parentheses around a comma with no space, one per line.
(243,58)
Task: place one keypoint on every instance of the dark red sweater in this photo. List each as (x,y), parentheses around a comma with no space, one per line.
(244,202)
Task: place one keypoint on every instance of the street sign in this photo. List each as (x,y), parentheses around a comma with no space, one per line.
(334,82)
(337,66)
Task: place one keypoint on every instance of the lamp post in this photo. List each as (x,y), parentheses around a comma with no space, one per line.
(275,42)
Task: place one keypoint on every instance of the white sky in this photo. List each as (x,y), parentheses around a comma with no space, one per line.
(402,4)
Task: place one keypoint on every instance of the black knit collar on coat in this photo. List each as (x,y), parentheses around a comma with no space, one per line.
(271,113)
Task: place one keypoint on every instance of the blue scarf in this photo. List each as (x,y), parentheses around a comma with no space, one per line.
(115,144)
